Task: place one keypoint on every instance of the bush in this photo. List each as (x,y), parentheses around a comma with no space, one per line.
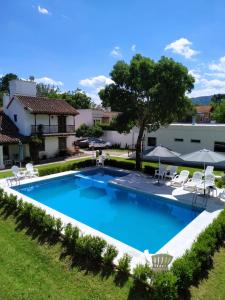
(165,286)
(149,170)
(190,267)
(124,264)
(109,255)
(123,164)
(91,247)
(65,167)
(142,274)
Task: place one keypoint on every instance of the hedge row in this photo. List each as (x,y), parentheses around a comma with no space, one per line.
(128,165)
(190,267)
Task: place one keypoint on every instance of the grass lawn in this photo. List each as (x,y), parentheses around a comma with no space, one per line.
(212,288)
(154,164)
(30,270)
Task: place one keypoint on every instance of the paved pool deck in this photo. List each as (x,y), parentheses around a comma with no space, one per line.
(140,182)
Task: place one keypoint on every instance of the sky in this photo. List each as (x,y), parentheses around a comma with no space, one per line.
(75,43)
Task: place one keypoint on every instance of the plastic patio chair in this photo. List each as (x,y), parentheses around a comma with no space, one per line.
(180,179)
(192,183)
(159,262)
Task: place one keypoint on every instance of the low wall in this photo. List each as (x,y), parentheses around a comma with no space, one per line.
(120,138)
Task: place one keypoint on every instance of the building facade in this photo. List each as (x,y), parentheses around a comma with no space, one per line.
(29,115)
(186,138)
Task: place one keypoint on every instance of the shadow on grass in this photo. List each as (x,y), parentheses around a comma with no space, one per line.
(121,278)
(139,291)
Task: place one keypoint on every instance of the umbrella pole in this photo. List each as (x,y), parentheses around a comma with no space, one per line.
(204,178)
(159,167)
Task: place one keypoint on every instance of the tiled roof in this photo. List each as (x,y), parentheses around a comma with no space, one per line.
(203,109)
(43,105)
(9,133)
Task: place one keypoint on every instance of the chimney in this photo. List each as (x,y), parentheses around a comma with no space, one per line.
(22,87)
(5,101)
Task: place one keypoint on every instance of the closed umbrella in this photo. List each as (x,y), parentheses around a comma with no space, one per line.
(203,156)
(20,150)
(162,152)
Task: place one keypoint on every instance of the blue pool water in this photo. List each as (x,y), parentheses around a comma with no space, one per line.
(137,219)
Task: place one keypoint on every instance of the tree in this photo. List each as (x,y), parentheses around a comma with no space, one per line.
(148,94)
(217,98)
(78,99)
(219,111)
(47,90)
(4,81)
(89,131)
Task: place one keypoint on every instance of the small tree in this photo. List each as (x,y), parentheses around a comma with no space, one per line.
(148,94)
(86,131)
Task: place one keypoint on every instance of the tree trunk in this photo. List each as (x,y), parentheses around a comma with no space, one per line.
(138,147)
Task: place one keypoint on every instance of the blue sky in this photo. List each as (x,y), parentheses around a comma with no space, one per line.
(75,43)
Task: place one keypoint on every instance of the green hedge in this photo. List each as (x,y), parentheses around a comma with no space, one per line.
(189,268)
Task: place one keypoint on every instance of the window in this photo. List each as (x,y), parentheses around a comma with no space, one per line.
(97,122)
(178,140)
(42,145)
(62,143)
(15,118)
(219,146)
(195,141)
(152,141)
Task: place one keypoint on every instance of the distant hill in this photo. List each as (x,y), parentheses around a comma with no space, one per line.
(203,100)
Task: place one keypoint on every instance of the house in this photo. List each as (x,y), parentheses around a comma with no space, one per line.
(186,138)
(94,116)
(24,115)
(203,113)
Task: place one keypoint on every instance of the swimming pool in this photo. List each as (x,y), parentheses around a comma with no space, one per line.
(142,221)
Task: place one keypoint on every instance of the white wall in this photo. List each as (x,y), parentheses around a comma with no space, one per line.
(84,117)
(24,118)
(51,147)
(21,87)
(206,133)
(120,138)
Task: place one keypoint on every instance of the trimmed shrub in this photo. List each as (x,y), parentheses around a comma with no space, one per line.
(142,274)
(109,255)
(124,264)
(165,286)
(91,247)
(149,170)
(123,164)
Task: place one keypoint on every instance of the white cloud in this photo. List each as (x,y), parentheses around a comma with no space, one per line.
(93,85)
(47,80)
(43,10)
(182,46)
(209,87)
(133,48)
(220,66)
(96,81)
(116,52)
(196,75)
(218,75)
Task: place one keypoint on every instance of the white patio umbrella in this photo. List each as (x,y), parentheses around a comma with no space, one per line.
(162,152)
(203,156)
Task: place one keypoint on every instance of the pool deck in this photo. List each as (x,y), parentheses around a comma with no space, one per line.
(144,183)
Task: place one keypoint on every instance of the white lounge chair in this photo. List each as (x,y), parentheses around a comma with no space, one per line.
(18,173)
(171,172)
(192,183)
(31,171)
(222,195)
(159,262)
(208,182)
(180,179)
(160,172)
(209,170)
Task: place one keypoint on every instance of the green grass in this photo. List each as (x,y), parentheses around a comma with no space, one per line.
(45,166)
(154,164)
(212,288)
(30,270)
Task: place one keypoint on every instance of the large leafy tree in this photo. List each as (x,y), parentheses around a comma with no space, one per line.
(219,111)
(148,94)
(78,99)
